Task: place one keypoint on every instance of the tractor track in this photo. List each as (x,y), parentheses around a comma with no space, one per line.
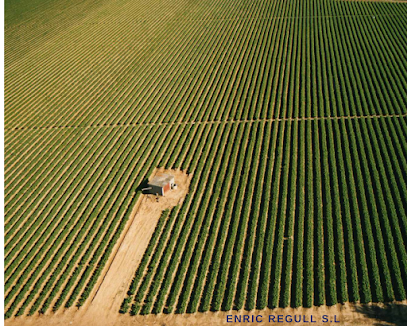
(136,124)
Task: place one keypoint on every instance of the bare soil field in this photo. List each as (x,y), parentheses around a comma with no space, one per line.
(346,315)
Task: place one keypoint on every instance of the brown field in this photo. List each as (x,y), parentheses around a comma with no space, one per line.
(347,314)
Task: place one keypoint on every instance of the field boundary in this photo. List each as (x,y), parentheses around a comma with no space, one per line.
(347,313)
(131,124)
(115,250)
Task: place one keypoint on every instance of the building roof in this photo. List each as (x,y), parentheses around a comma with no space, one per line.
(161,180)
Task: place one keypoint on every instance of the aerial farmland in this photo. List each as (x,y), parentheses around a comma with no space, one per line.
(282,122)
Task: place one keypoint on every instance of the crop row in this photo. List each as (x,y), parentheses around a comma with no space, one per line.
(330,252)
(237,71)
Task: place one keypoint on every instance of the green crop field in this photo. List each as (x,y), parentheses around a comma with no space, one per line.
(290,114)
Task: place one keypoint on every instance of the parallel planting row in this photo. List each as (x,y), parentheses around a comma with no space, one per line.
(65,211)
(280,212)
(211,61)
(284,214)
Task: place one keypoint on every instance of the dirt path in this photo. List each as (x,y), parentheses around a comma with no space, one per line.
(128,252)
(104,303)
(347,315)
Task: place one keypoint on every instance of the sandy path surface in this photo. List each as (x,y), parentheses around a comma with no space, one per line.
(128,252)
(103,305)
(346,315)
(111,288)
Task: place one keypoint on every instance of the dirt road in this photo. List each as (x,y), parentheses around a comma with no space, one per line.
(347,315)
(102,308)
(119,271)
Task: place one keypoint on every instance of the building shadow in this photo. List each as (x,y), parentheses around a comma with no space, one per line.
(394,314)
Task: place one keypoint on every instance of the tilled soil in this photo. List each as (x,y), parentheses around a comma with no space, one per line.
(346,315)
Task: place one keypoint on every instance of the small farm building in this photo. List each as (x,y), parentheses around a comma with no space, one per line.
(162,183)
